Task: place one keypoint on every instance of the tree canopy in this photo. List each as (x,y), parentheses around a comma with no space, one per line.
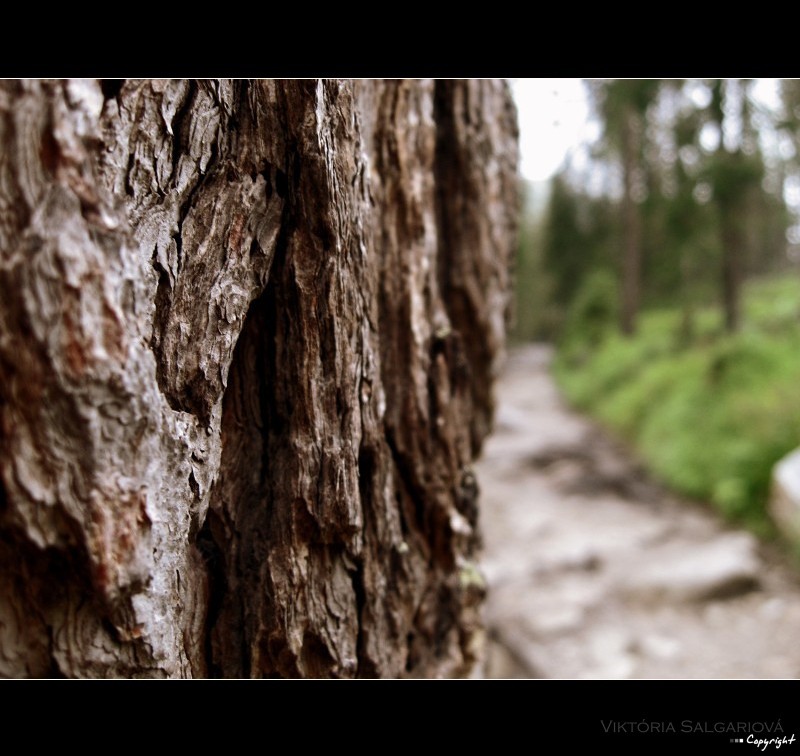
(695,176)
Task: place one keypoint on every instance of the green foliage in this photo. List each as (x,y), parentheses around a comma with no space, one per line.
(593,313)
(535,315)
(579,235)
(710,417)
(732,174)
(703,217)
(567,254)
(710,412)
(617,101)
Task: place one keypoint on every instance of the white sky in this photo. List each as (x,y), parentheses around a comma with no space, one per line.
(554,117)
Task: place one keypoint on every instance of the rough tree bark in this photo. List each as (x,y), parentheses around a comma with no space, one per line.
(247,338)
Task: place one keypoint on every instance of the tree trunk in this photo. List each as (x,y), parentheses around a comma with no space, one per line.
(730,184)
(731,268)
(247,339)
(632,250)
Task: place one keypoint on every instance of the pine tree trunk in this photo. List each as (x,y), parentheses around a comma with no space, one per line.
(732,253)
(632,253)
(247,339)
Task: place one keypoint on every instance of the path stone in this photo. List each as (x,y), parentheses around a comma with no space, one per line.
(722,568)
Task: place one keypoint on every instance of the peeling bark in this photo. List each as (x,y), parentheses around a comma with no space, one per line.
(248,332)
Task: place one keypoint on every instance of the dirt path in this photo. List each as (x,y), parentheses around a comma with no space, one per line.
(596,572)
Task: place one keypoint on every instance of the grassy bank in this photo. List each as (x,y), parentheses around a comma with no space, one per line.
(709,413)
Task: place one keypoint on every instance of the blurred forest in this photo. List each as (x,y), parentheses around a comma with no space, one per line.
(665,266)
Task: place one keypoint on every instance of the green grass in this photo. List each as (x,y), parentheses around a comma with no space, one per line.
(709,413)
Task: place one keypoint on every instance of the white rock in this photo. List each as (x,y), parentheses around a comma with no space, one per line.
(722,568)
(784,504)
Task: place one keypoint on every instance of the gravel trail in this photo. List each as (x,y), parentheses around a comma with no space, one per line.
(595,571)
